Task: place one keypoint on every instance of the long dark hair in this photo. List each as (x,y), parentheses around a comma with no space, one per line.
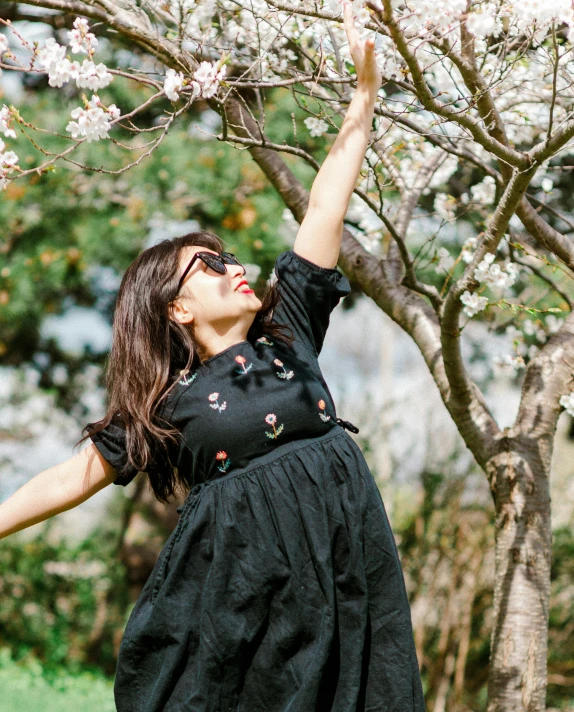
(150,351)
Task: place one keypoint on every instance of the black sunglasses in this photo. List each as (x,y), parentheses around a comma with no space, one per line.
(216,262)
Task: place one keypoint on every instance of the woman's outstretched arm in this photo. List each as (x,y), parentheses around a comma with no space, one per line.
(56,490)
(320,234)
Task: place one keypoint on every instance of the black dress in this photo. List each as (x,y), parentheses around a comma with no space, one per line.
(280,589)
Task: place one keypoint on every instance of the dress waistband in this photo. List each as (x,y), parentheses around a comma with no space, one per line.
(277,452)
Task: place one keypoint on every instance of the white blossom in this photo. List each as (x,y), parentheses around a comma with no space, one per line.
(172,84)
(473,303)
(362,17)
(507,363)
(467,254)
(521,348)
(50,53)
(484,192)
(486,21)
(93,76)
(8,161)
(553,324)
(5,123)
(567,402)
(317,127)
(209,77)
(446,261)
(493,274)
(334,6)
(81,40)
(93,123)
(444,206)
(3,44)
(62,71)
(546,184)
(52,58)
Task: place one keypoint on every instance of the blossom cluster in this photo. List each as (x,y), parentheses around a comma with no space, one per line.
(507,363)
(473,303)
(486,18)
(467,253)
(490,273)
(484,192)
(444,206)
(8,161)
(205,84)
(52,58)
(82,41)
(537,329)
(6,122)
(93,122)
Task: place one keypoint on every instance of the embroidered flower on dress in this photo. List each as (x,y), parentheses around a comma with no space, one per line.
(214,403)
(324,417)
(284,373)
(264,340)
(271,419)
(241,359)
(184,380)
(222,456)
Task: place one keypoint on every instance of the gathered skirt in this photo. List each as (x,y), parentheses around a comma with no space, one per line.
(279,590)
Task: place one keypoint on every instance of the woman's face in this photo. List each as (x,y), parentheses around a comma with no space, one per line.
(209,298)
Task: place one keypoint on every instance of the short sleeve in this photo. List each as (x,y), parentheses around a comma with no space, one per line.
(309,293)
(111,442)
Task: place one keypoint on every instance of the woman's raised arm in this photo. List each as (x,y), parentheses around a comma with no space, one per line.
(319,237)
(56,490)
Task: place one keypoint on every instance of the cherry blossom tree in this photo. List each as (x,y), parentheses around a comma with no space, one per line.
(473,130)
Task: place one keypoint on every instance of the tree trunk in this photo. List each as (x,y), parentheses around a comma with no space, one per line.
(519,483)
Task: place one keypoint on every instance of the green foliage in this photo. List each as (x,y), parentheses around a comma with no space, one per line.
(561,633)
(65,605)
(58,227)
(25,688)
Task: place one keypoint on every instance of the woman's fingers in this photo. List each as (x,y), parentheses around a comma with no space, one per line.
(362,53)
(350,29)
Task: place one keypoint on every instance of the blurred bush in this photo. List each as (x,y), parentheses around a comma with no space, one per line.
(446,544)
(65,605)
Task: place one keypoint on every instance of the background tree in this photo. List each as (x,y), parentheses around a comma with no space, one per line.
(474,115)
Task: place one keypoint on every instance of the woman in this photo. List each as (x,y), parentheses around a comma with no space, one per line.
(280,587)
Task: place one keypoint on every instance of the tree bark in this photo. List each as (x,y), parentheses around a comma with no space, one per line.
(519,481)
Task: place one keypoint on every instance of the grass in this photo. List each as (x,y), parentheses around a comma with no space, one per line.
(25,689)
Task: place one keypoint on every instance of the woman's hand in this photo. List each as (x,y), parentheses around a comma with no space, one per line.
(363,53)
